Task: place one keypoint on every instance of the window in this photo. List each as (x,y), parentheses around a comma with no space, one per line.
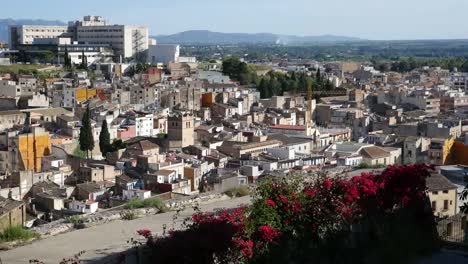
(434,193)
(434,205)
(445,204)
(446,191)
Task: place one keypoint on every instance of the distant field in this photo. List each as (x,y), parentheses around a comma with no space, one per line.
(259,67)
(15,68)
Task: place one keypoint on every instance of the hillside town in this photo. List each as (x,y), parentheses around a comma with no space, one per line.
(111,116)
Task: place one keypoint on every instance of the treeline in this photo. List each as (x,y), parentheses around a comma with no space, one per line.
(365,50)
(409,64)
(274,83)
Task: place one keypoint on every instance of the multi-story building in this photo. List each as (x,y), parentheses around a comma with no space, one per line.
(181,128)
(73,96)
(442,194)
(126,41)
(9,89)
(163,53)
(29,149)
(453,103)
(190,98)
(144,124)
(34,34)
(459,81)
(144,95)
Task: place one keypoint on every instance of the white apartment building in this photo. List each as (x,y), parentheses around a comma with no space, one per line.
(163,53)
(126,41)
(144,125)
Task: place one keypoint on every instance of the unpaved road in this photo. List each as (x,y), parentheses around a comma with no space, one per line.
(103,240)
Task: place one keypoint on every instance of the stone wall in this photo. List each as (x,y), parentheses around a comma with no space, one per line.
(105,216)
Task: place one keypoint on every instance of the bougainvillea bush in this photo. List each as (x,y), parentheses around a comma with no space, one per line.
(366,219)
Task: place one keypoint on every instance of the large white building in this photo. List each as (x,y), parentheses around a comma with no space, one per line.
(29,34)
(163,53)
(125,41)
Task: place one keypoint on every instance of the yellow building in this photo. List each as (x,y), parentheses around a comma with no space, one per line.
(83,94)
(442,194)
(31,148)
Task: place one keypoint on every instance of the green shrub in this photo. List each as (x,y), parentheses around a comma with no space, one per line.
(129,215)
(79,153)
(148,203)
(238,192)
(17,233)
(76,220)
(364,165)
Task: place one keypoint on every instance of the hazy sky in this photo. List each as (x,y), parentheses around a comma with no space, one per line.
(371,19)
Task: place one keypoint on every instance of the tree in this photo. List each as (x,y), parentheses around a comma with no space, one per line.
(84,61)
(236,69)
(318,76)
(104,139)
(86,138)
(263,89)
(46,56)
(66,59)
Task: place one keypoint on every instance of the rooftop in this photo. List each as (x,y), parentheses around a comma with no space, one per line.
(437,182)
(289,127)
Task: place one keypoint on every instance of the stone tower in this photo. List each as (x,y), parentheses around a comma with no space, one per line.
(180,127)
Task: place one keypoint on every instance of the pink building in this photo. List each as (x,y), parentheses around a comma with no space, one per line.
(126,132)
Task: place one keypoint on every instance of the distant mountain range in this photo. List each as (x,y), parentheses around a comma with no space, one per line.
(210,37)
(4,23)
(199,36)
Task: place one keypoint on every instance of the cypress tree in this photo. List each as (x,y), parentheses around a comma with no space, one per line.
(318,76)
(86,133)
(84,64)
(66,59)
(104,139)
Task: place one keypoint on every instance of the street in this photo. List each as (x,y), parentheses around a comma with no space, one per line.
(103,240)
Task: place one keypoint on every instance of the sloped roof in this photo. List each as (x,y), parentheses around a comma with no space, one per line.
(374,152)
(142,145)
(7,205)
(90,187)
(437,182)
(288,140)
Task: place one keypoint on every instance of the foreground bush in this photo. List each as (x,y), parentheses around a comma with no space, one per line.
(17,233)
(366,219)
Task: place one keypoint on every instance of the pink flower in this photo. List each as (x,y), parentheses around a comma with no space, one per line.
(144,233)
(283,199)
(327,184)
(270,203)
(310,193)
(268,233)
(246,247)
